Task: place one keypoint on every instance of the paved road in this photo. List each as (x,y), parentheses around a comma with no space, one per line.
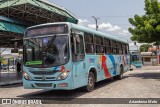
(139,83)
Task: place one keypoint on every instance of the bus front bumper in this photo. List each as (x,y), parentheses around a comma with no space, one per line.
(55,85)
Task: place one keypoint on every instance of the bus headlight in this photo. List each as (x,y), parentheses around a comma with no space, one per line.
(63,75)
(26,76)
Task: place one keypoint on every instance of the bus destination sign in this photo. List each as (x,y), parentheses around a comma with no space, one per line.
(43,30)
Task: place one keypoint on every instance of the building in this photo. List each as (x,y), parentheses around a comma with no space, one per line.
(17,15)
(149,58)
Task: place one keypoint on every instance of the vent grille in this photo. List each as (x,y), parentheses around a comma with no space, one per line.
(46,78)
(44,84)
(43,72)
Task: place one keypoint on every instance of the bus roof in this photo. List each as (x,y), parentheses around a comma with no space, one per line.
(84,29)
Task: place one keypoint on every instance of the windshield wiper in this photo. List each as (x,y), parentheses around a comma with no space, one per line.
(51,41)
(50,58)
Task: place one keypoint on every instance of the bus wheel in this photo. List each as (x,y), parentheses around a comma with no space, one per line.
(91,82)
(119,77)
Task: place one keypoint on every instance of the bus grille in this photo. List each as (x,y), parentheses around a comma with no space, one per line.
(44,84)
(43,72)
(46,78)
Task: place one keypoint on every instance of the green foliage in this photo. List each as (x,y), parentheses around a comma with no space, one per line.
(1,59)
(146,28)
(157,44)
(144,47)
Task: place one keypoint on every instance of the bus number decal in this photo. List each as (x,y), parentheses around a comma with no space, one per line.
(91,60)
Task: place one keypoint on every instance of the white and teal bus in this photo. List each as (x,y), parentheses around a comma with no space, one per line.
(66,56)
(136,58)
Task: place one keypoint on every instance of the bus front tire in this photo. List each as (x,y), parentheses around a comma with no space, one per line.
(119,77)
(91,82)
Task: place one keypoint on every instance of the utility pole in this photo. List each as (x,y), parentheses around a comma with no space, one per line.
(135,43)
(96,19)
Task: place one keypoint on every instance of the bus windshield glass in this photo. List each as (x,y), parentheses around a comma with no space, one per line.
(136,58)
(48,51)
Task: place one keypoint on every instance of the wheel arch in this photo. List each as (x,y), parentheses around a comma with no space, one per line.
(94,71)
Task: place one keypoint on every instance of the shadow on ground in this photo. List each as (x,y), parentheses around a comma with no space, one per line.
(12,85)
(64,93)
(154,75)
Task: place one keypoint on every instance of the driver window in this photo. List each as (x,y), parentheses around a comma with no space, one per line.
(80,45)
(77,47)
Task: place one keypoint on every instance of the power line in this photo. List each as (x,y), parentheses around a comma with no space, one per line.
(122,24)
(107,16)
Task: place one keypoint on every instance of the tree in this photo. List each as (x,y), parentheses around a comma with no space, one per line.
(144,47)
(156,44)
(147,27)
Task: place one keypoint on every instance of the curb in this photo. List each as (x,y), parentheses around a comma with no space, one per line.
(10,82)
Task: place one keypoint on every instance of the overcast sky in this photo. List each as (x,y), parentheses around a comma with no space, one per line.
(113,14)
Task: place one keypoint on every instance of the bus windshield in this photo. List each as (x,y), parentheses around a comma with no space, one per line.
(48,51)
(136,58)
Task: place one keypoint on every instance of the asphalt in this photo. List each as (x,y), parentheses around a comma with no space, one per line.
(139,83)
(9,77)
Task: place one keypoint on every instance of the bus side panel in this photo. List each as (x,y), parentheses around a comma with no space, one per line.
(79,74)
(93,62)
(102,64)
(127,63)
(113,64)
(106,66)
(82,69)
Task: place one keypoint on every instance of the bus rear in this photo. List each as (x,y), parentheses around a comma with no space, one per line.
(46,57)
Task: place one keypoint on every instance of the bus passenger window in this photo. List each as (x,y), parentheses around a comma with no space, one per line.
(89,48)
(89,43)
(77,47)
(114,47)
(108,50)
(114,50)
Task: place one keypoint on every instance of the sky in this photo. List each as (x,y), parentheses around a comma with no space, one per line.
(113,14)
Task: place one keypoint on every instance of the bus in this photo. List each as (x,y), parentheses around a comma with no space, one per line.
(136,59)
(66,56)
